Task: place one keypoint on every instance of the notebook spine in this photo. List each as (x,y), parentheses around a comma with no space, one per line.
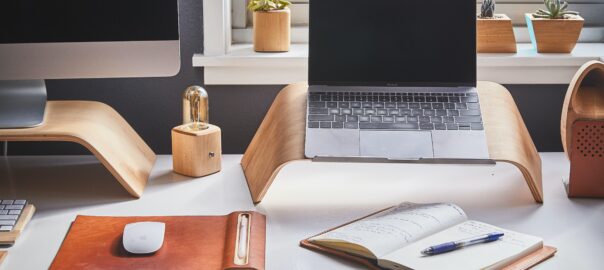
(245,241)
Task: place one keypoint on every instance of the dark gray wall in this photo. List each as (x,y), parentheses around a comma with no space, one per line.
(153,105)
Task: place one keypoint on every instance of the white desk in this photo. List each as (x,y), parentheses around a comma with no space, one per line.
(306,198)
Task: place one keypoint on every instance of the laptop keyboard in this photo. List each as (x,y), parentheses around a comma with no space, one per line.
(394,111)
(10,210)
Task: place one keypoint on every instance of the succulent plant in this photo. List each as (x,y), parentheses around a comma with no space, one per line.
(267,5)
(556,9)
(487,9)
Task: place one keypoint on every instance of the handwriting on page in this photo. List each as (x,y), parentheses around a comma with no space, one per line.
(398,226)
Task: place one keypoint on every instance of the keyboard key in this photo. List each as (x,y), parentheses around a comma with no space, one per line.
(464,126)
(355,104)
(7,202)
(400,119)
(476,126)
(317,111)
(388,119)
(344,104)
(436,119)
(438,106)
(412,119)
(351,125)
(429,112)
(448,119)
(470,99)
(424,119)
(378,104)
(376,119)
(8,222)
(334,111)
(314,97)
(340,118)
(426,126)
(313,124)
(367,105)
(382,112)
(473,106)
(363,118)
(326,98)
(390,105)
(469,112)
(325,124)
(357,111)
(407,99)
(431,99)
(417,112)
(369,111)
(451,126)
(398,126)
(461,106)
(405,112)
(454,100)
(468,119)
(442,99)
(441,113)
(346,111)
(414,105)
(419,99)
(452,113)
(6,228)
(9,217)
(316,104)
(402,105)
(393,112)
(14,207)
(337,125)
(426,105)
(14,212)
(449,106)
(332,104)
(352,118)
(3,212)
(440,126)
(314,117)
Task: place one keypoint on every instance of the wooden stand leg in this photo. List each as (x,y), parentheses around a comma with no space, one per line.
(101,130)
(280,138)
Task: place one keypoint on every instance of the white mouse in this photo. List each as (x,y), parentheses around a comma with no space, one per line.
(143,237)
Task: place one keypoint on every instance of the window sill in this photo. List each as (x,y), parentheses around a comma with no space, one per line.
(242,66)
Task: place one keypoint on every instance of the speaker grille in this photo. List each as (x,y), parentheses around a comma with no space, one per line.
(589,139)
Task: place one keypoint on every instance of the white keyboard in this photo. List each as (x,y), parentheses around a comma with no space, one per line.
(10,211)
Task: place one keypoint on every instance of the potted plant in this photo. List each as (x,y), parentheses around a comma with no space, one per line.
(555,30)
(271,21)
(494,32)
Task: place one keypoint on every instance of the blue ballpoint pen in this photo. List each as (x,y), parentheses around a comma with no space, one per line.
(449,246)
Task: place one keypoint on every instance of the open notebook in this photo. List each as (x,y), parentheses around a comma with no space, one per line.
(393,239)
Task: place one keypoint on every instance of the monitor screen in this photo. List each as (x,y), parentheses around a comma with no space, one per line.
(37,21)
(392,42)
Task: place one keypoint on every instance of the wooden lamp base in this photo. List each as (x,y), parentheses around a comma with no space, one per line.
(196,153)
(280,138)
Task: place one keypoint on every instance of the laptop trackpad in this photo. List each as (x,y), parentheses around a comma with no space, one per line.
(396,144)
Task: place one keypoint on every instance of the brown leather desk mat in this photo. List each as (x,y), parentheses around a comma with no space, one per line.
(190,242)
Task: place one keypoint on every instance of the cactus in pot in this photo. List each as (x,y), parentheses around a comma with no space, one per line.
(554,29)
(487,9)
(271,25)
(556,9)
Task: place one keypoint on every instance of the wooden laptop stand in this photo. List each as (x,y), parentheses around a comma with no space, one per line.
(280,138)
(101,130)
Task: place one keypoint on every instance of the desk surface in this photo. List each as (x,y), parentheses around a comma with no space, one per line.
(306,198)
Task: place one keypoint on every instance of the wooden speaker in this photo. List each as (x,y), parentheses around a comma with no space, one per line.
(196,153)
(582,131)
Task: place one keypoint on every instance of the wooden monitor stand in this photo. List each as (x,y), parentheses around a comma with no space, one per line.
(280,138)
(101,130)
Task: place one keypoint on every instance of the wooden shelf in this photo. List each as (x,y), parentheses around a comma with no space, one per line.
(101,130)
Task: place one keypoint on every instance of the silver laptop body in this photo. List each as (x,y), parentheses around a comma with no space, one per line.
(387,85)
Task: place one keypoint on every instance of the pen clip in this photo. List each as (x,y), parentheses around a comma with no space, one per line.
(242,241)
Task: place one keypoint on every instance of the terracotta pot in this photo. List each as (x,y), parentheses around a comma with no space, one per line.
(272,30)
(554,35)
(495,35)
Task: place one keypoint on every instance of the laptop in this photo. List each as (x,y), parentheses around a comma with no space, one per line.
(394,80)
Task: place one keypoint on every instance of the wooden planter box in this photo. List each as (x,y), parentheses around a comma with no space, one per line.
(272,30)
(495,35)
(554,35)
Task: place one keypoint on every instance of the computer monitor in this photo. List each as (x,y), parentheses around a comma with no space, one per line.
(57,39)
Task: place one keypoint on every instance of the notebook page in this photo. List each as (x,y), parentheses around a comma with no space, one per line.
(392,229)
(495,254)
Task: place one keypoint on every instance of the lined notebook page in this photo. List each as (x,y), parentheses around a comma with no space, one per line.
(392,229)
(491,255)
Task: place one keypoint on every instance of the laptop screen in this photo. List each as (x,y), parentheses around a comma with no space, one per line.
(392,42)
